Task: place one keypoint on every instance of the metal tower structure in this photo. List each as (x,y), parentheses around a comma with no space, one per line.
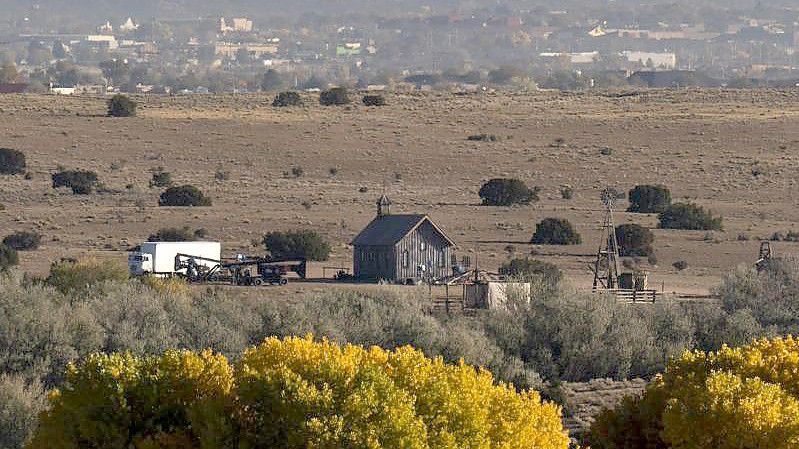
(606,267)
(764,257)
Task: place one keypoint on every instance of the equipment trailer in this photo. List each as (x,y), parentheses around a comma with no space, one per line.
(249,271)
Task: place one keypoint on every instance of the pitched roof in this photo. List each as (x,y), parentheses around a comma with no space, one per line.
(390,229)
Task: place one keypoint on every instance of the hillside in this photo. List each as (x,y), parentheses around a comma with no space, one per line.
(731,151)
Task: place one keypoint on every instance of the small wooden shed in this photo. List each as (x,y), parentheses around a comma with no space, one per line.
(405,248)
(494,295)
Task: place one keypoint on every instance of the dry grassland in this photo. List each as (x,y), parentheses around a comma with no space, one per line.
(733,151)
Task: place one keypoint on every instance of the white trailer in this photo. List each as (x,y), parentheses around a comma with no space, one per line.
(158,258)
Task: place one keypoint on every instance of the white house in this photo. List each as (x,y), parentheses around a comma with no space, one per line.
(666,61)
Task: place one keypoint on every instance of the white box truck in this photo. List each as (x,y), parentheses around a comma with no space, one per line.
(158,258)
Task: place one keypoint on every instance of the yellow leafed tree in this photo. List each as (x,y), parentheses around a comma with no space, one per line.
(734,398)
(296,390)
(294,393)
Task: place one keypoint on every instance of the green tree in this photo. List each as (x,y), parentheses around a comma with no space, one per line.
(186,195)
(503,75)
(243,56)
(507,192)
(527,268)
(121,106)
(272,80)
(116,70)
(649,199)
(23,240)
(82,182)
(556,231)
(374,100)
(634,240)
(689,216)
(12,162)
(286,99)
(59,51)
(305,244)
(336,96)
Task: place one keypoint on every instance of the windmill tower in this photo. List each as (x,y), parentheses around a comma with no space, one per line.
(606,267)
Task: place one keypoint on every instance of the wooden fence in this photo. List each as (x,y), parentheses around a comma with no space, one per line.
(631,295)
(448,304)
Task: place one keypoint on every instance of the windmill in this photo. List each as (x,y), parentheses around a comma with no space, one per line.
(606,267)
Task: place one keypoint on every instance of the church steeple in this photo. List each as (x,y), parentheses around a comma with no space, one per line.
(383,206)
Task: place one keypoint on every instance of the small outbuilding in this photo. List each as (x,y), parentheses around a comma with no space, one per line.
(406,248)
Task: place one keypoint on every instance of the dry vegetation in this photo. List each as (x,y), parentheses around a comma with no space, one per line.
(731,151)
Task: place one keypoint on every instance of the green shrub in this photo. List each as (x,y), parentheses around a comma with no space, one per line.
(186,195)
(507,192)
(556,231)
(23,241)
(12,162)
(221,175)
(634,240)
(174,235)
(82,182)
(374,100)
(20,405)
(336,96)
(649,199)
(69,275)
(482,138)
(528,268)
(635,423)
(286,99)
(8,258)
(307,245)
(689,216)
(161,178)
(121,106)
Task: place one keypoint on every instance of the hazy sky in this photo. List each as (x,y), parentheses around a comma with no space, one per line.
(76,10)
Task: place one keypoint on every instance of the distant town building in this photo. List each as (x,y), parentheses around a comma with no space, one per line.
(237,25)
(102,40)
(128,26)
(575,58)
(348,49)
(666,61)
(229,50)
(107,28)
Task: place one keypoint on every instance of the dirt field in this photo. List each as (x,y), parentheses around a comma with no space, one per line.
(732,151)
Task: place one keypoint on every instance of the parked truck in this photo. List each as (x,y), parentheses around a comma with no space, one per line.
(158,258)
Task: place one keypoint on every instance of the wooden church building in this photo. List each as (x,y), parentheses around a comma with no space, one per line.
(401,248)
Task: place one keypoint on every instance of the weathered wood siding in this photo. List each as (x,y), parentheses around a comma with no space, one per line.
(375,263)
(424,246)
